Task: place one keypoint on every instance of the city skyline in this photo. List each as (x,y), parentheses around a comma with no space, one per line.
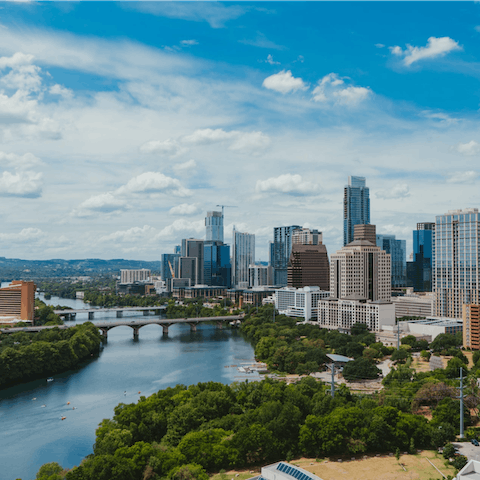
(118,136)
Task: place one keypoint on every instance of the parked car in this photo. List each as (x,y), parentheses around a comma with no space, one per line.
(475,442)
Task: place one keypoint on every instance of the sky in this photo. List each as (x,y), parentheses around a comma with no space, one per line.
(122,124)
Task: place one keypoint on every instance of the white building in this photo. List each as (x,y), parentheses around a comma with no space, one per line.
(362,270)
(260,276)
(341,314)
(433,326)
(132,276)
(414,305)
(243,255)
(305,236)
(299,302)
(471,471)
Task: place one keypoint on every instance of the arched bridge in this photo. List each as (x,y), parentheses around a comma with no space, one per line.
(71,314)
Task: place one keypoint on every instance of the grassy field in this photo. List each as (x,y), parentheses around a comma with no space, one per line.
(378,468)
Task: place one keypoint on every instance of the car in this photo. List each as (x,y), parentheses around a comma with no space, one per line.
(475,442)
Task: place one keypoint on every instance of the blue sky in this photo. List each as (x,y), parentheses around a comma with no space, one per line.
(121,124)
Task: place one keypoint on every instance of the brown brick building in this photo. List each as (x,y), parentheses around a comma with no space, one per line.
(471,326)
(308,266)
(17,301)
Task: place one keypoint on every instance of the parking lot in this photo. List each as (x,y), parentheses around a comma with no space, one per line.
(467,449)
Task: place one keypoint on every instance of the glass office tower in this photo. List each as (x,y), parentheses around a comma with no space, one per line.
(214,227)
(356,207)
(217,269)
(243,255)
(282,248)
(419,271)
(398,256)
(456,252)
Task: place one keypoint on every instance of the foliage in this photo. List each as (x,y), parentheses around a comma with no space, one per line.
(26,356)
(108,300)
(44,314)
(50,471)
(361,368)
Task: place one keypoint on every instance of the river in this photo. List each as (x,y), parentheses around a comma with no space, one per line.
(31,435)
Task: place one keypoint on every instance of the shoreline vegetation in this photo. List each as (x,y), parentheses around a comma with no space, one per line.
(190,432)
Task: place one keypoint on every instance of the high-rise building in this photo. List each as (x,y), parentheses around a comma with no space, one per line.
(131,276)
(187,271)
(397,249)
(308,266)
(356,207)
(169,266)
(217,269)
(260,276)
(305,236)
(471,326)
(456,260)
(214,227)
(360,271)
(419,271)
(17,301)
(365,232)
(282,247)
(243,255)
(193,248)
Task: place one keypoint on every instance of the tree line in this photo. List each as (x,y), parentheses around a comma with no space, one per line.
(28,356)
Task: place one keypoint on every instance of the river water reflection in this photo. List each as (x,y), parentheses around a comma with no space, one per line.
(31,435)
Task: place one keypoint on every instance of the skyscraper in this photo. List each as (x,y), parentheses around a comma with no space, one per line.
(193,248)
(217,269)
(214,227)
(169,264)
(397,249)
(243,255)
(282,247)
(305,236)
(308,267)
(356,207)
(419,271)
(360,271)
(456,258)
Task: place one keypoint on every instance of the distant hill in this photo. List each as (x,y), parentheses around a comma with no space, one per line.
(17,269)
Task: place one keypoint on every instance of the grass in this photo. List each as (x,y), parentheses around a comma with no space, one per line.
(384,467)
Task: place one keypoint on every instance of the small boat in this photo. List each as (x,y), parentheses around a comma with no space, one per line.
(43,405)
(139,392)
(34,398)
(73,408)
(63,418)
(50,379)
(68,403)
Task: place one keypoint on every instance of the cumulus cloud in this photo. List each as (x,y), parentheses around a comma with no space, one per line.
(185,209)
(167,147)
(21,184)
(189,43)
(133,234)
(436,47)
(28,160)
(26,235)
(103,203)
(462,177)
(154,182)
(271,61)
(284,82)
(182,227)
(332,89)
(185,167)
(468,149)
(23,75)
(61,91)
(399,191)
(287,183)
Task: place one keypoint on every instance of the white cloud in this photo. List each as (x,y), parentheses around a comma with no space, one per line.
(25,161)
(462,177)
(287,183)
(154,182)
(185,167)
(189,43)
(183,227)
(443,118)
(21,184)
(468,149)
(102,203)
(284,82)
(399,191)
(185,209)
(133,234)
(25,235)
(167,147)
(331,88)
(436,47)
(271,61)
(23,74)
(61,91)
(379,45)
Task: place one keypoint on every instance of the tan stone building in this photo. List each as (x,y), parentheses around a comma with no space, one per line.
(17,301)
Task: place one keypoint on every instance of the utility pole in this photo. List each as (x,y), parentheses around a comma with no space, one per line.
(274,313)
(461,402)
(332,386)
(398,336)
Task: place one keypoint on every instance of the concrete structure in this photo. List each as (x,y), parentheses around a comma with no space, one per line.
(356,207)
(341,314)
(360,269)
(284,471)
(414,305)
(365,232)
(193,248)
(456,261)
(432,326)
(214,227)
(243,255)
(305,236)
(260,276)
(299,302)
(282,247)
(132,276)
(199,291)
(308,266)
(397,249)
(471,471)
(17,301)
(471,326)
(419,271)
(389,335)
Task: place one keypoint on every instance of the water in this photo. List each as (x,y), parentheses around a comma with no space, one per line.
(31,435)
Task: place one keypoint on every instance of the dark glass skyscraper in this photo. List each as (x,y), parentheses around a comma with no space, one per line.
(217,269)
(356,207)
(419,272)
(282,248)
(397,249)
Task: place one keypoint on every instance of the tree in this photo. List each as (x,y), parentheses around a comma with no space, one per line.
(448,451)
(400,356)
(361,368)
(50,471)
(188,472)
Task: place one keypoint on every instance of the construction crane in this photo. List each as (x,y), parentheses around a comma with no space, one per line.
(228,206)
(171,269)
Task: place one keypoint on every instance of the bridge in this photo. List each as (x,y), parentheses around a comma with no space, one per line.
(71,314)
(136,325)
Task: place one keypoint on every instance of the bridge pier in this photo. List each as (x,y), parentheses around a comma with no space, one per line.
(119,313)
(91,315)
(165,328)
(135,332)
(193,326)
(146,313)
(220,325)
(104,333)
